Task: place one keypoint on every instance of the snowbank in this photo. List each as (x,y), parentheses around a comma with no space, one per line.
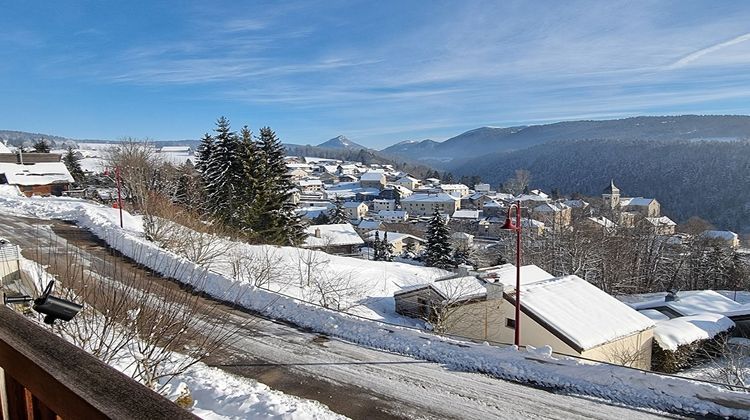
(568,375)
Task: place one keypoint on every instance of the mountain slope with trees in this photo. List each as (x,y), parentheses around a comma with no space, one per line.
(708,179)
(481,141)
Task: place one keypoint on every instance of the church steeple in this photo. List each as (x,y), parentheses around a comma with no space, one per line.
(611,195)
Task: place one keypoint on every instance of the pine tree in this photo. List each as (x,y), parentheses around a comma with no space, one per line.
(386,249)
(275,218)
(73,163)
(438,251)
(376,247)
(41,146)
(224,175)
(203,153)
(338,214)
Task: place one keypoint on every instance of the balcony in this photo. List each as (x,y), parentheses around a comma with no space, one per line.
(45,377)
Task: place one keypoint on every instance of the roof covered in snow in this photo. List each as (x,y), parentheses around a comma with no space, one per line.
(506,274)
(586,315)
(331,235)
(42,173)
(4,148)
(439,197)
(671,334)
(466,214)
(693,302)
(372,176)
(636,201)
(726,235)
(393,237)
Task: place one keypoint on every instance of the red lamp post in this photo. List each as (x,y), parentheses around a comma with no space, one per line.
(118,180)
(516,227)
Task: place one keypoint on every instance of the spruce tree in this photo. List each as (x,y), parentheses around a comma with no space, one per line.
(438,251)
(73,163)
(225,174)
(41,146)
(275,218)
(386,249)
(338,214)
(376,247)
(203,153)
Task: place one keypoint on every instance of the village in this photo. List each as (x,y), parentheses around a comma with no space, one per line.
(374,212)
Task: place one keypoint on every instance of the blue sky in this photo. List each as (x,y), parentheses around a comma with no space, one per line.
(378,72)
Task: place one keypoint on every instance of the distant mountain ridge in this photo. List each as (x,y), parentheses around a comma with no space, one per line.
(341,142)
(486,140)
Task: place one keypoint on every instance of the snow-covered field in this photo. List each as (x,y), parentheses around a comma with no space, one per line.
(537,366)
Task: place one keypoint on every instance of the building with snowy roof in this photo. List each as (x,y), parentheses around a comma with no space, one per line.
(372,179)
(40,178)
(426,204)
(567,313)
(334,239)
(660,225)
(730,238)
(399,241)
(456,190)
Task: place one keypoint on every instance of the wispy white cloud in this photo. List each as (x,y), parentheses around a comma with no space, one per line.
(688,59)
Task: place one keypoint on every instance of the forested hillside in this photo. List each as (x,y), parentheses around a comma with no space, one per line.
(702,178)
(484,140)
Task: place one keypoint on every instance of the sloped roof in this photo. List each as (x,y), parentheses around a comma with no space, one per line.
(580,311)
(672,333)
(693,302)
(439,197)
(372,176)
(636,201)
(332,235)
(610,188)
(42,173)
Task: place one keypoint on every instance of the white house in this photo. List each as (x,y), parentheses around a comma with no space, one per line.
(456,190)
(355,210)
(392,216)
(310,185)
(379,204)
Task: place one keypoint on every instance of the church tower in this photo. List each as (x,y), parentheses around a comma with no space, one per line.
(611,195)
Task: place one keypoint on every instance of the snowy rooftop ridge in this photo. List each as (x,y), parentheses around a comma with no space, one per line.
(331,235)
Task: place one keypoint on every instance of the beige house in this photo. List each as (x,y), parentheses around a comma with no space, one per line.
(646,207)
(660,225)
(456,190)
(555,215)
(426,204)
(372,179)
(399,241)
(408,182)
(567,313)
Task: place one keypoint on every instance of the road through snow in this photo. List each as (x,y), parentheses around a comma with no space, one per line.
(355,381)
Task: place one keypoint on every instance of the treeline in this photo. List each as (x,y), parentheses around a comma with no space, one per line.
(701,178)
(237,188)
(636,259)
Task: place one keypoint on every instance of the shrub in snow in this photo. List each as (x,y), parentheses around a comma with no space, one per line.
(686,355)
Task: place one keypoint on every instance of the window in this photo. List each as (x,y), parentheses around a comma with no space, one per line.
(510,323)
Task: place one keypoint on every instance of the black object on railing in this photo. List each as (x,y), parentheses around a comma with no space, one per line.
(51,307)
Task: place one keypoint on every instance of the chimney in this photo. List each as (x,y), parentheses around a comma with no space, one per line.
(463,269)
(494,290)
(317,232)
(671,296)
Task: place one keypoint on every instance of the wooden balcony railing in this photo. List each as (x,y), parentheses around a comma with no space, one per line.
(48,378)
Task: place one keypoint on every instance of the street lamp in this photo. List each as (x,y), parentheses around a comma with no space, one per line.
(516,227)
(118,180)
